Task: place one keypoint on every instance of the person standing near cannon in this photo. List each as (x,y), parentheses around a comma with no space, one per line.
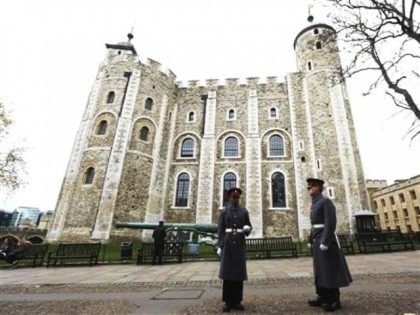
(330,267)
(234,225)
(159,235)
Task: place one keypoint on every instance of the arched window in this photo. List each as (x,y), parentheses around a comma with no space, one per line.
(309,65)
(148,104)
(231,114)
(182,188)
(144,133)
(278,191)
(187,148)
(318,45)
(276,146)
(190,116)
(273,112)
(229,181)
(110,98)
(102,127)
(231,146)
(89,174)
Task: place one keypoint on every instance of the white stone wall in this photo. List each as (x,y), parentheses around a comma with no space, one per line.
(106,208)
(73,167)
(206,172)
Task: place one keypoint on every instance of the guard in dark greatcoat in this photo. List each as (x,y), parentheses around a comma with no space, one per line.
(330,267)
(159,235)
(234,225)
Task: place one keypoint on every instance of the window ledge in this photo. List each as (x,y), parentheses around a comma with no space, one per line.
(280,209)
(231,157)
(180,208)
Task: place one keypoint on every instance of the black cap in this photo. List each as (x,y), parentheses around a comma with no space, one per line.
(316,181)
(234,190)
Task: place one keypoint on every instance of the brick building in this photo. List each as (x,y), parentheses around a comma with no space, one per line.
(398,205)
(149,148)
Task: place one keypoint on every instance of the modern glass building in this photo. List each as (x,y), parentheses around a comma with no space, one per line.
(22,213)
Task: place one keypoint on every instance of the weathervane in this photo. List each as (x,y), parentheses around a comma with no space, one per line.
(130,35)
(310,16)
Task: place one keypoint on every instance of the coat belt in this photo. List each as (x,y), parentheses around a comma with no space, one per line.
(234,230)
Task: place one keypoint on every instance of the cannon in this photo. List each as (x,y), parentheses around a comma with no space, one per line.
(183,232)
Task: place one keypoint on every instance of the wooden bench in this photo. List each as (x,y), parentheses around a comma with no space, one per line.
(75,251)
(272,246)
(383,241)
(345,244)
(172,251)
(34,252)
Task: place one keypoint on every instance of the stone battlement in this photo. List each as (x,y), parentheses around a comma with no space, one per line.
(229,82)
(157,66)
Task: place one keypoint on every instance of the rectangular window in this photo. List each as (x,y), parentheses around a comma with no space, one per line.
(375,205)
(395,214)
(318,164)
(409,229)
(417,209)
(383,202)
(391,199)
(402,198)
(413,195)
(405,211)
(331,193)
(300,145)
(386,216)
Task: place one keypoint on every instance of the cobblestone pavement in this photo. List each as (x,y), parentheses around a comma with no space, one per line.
(383,284)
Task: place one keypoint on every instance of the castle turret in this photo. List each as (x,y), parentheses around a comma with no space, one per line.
(116,157)
(316,49)
(324,143)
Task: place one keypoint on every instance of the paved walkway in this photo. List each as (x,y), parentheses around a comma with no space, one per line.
(384,284)
(204,271)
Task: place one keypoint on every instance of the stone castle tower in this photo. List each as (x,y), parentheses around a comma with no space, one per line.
(149,149)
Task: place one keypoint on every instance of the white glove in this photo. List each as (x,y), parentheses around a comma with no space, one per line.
(247,228)
(323,247)
(309,245)
(219,251)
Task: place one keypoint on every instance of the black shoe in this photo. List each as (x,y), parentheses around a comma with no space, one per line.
(318,301)
(14,264)
(332,307)
(239,307)
(227,308)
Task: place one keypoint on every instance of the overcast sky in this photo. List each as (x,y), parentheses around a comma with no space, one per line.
(51,50)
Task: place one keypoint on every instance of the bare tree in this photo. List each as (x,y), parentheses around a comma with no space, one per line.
(11,160)
(383,37)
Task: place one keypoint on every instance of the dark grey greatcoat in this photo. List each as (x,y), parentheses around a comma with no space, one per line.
(330,266)
(233,262)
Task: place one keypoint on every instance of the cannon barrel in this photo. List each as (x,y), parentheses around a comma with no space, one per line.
(209,228)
